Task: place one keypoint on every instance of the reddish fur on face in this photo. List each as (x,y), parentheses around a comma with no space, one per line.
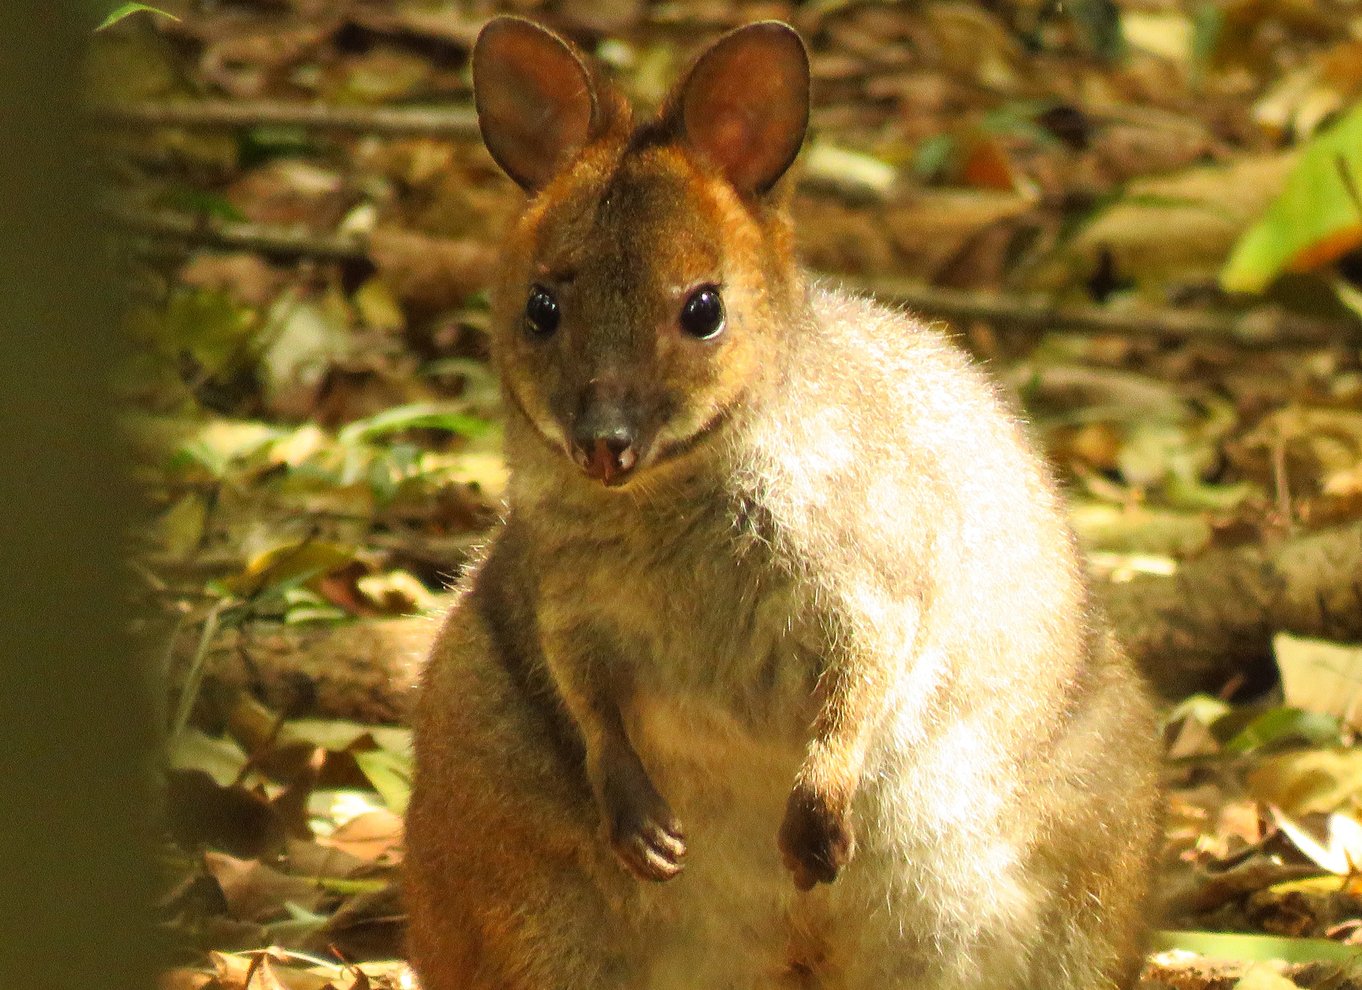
(591,237)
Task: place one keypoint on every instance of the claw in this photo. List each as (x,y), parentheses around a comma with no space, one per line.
(651,851)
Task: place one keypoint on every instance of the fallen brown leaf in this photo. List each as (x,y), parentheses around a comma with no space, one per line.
(256,892)
(430,273)
(373,837)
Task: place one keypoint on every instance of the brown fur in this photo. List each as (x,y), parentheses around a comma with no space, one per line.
(825,663)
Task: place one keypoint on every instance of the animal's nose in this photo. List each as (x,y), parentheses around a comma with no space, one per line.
(605,455)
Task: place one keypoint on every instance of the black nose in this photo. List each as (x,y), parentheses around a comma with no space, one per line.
(606,455)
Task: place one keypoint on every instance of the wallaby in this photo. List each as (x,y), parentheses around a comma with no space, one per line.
(781,670)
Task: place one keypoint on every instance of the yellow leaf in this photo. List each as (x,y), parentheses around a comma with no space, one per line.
(1310,780)
(1260,977)
(1321,676)
(288,562)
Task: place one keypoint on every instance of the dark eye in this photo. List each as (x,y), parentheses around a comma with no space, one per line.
(703,315)
(541,313)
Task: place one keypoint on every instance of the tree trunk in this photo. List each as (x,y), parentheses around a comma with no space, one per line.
(76,887)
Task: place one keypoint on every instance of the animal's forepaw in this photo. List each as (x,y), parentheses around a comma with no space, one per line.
(816,839)
(643,831)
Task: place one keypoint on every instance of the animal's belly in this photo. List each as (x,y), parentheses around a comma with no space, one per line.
(729,911)
(726,779)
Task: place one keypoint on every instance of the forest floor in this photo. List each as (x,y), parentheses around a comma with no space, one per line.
(1091,196)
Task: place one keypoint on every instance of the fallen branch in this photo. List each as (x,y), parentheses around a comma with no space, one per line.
(1216,616)
(1258,328)
(832,169)
(267,239)
(363,671)
(1194,631)
(441,122)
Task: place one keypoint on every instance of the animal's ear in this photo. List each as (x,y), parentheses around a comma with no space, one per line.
(536,99)
(745,104)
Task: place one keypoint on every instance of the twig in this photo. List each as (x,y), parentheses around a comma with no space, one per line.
(1260,328)
(239,236)
(826,167)
(448,122)
(1108,391)
(166,667)
(194,676)
(1280,483)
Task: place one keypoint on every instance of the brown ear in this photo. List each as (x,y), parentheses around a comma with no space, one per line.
(535,97)
(745,104)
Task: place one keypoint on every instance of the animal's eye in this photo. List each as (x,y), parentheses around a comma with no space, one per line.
(703,314)
(541,313)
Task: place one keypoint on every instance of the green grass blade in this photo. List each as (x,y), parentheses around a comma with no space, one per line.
(1256,948)
(128,9)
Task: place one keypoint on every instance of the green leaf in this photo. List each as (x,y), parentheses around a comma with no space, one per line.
(339,735)
(417,415)
(302,606)
(261,144)
(209,326)
(350,888)
(1204,708)
(1019,118)
(1208,25)
(128,9)
(1256,948)
(934,156)
(289,565)
(219,444)
(1281,724)
(222,759)
(1187,492)
(197,453)
(1100,22)
(390,773)
(1314,219)
(203,203)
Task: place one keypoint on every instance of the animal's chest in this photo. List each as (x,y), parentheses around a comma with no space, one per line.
(707,616)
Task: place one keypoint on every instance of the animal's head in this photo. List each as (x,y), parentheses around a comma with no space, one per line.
(643,292)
